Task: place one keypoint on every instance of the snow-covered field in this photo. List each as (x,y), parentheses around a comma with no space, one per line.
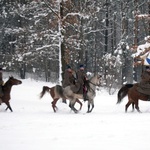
(34,126)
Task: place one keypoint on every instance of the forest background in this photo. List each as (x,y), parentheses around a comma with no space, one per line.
(38,38)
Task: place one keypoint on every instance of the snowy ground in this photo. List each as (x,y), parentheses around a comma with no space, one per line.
(34,126)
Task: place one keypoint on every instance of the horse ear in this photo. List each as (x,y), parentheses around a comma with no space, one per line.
(99,76)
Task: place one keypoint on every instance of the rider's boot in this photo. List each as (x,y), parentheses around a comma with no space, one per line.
(85,98)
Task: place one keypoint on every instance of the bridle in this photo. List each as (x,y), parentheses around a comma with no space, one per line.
(94,85)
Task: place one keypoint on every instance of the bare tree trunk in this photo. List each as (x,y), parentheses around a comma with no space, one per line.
(107,25)
(135,23)
(149,21)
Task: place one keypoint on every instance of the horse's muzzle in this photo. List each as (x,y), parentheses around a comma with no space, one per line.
(19,82)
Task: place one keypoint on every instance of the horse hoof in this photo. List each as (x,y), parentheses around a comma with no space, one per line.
(76,111)
(88,111)
(139,111)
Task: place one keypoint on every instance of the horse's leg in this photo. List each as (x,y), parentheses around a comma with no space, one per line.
(79,103)
(137,106)
(8,106)
(132,107)
(64,101)
(127,105)
(71,105)
(90,102)
(54,104)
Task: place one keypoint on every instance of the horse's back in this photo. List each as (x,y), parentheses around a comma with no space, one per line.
(135,94)
(59,90)
(135,91)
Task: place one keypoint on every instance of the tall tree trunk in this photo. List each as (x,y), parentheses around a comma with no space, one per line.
(106,30)
(62,45)
(149,21)
(135,23)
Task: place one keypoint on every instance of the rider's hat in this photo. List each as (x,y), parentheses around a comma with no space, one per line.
(81,66)
(68,67)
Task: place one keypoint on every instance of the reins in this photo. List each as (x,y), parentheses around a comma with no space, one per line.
(92,84)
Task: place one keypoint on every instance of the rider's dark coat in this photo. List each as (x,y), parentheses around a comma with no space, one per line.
(144,85)
(78,87)
(69,79)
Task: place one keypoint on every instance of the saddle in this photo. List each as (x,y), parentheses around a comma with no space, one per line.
(144,91)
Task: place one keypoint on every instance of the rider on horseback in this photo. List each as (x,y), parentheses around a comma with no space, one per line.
(82,80)
(1,84)
(69,78)
(144,85)
(78,84)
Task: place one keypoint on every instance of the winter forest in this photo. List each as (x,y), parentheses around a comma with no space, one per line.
(38,38)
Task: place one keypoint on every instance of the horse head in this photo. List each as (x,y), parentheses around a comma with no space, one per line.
(99,78)
(96,79)
(14,81)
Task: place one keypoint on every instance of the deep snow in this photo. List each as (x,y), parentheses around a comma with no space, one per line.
(34,126)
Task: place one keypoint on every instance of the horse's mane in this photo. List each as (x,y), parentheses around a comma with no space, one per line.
(7,82)
(87,82)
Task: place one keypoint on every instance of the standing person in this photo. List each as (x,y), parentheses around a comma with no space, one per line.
(144,85)
(1,84)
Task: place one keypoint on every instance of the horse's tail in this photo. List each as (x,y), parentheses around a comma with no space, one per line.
(44,90)
(123,92)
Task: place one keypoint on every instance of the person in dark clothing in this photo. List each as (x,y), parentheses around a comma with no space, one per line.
(82,79)
(144,85)
(69,78)
(1,84)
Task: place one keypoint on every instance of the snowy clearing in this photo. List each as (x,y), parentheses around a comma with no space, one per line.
(34,126)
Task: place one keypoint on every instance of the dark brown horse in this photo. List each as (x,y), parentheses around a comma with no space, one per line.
(133,96)
(7,89)
(53,91)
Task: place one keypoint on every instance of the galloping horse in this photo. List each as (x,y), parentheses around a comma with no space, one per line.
(133,96)
(91,93)
(56,93)
(7,89)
